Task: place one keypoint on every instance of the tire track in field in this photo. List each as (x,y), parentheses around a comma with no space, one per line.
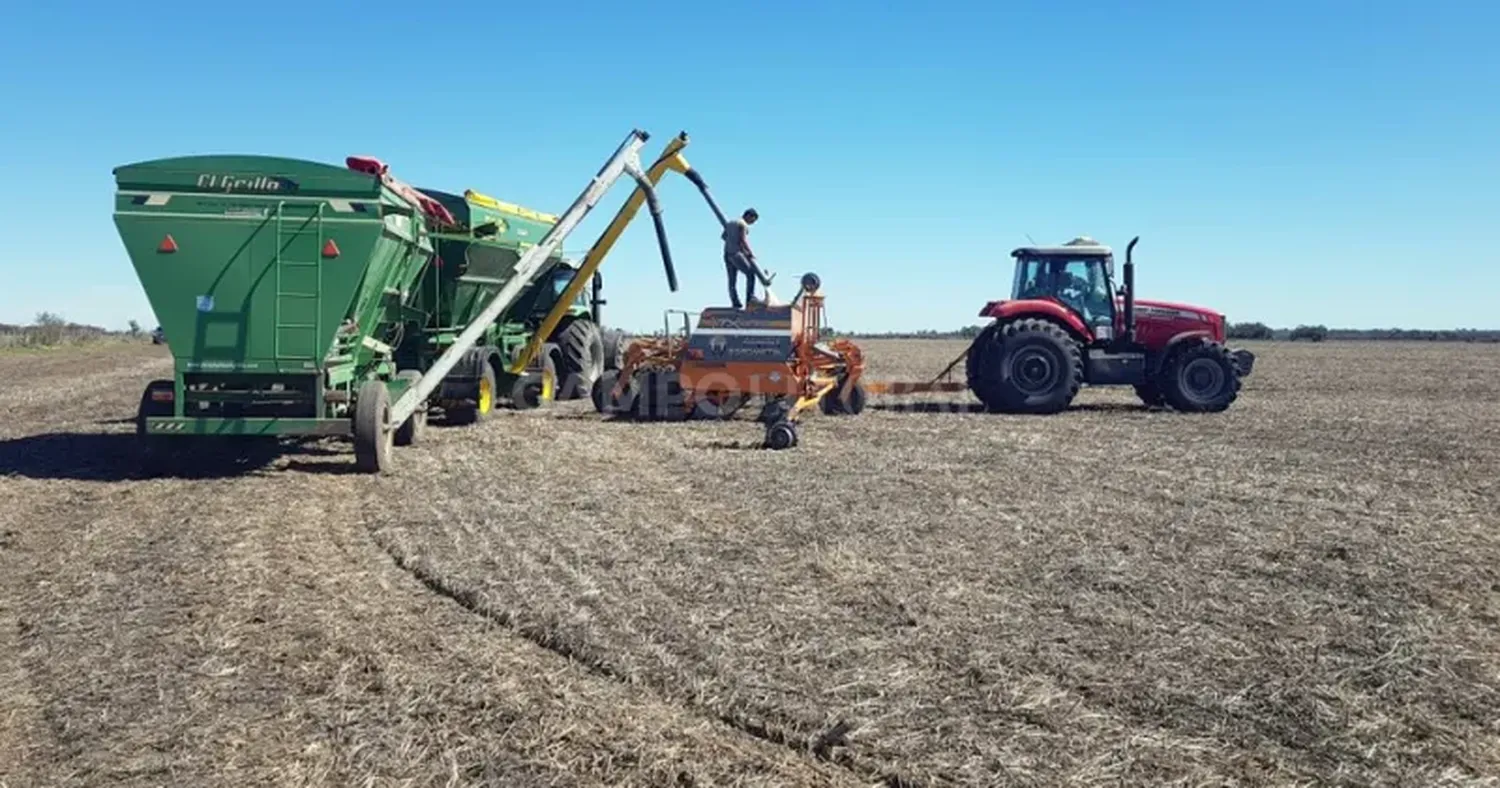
(247,629)
(646,481)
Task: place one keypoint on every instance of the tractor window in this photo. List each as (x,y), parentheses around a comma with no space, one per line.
(1081,284)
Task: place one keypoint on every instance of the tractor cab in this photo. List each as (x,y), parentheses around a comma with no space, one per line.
(1078,275)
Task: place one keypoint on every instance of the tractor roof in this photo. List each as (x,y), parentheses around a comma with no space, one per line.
(1082,246)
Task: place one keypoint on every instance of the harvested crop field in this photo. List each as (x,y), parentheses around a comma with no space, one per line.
(1303,589)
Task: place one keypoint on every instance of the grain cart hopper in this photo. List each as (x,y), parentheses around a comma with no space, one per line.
(1066,326)
(775,354)
(301,280)
(279,285)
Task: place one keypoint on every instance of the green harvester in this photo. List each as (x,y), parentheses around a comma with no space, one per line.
(305,299)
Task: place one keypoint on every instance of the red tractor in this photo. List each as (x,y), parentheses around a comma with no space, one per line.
(1065,325)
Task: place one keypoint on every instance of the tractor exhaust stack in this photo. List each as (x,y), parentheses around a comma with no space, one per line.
(1130,290)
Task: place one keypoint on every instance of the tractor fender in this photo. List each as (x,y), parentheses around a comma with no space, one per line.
(1007,311)
(1177,342)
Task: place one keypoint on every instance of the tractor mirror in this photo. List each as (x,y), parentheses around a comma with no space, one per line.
(1109,267)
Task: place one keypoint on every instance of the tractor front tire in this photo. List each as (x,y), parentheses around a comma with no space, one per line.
(1200,378)
(1028,366)
(582,357)
(372,441)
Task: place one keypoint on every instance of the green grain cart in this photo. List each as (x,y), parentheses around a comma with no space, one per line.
(476,256)
(301,298)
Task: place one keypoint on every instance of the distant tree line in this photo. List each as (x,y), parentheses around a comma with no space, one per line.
(49,329)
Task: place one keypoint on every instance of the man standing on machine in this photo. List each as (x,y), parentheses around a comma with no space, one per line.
(738,258)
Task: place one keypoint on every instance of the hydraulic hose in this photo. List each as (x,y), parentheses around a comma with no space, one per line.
(654,205)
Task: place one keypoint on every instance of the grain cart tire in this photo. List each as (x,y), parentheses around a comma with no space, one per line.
(415,425)
(372,441)
(581,353)
(1200,378)
(1028,366)
(484,399)
(533,389)
(154,454)
(614,342)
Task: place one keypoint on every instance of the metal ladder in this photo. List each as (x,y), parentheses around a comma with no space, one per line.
(288,230)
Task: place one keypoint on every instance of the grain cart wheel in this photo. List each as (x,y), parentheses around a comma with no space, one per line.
(781,435)
(415,425)
(153,449)
(1029,366)
(484,400)
(581,356)
(372,441)
(1200,378)
(535,388)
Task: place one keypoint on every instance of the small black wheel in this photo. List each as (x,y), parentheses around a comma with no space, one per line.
(415,425)
(372,441)
(781,435)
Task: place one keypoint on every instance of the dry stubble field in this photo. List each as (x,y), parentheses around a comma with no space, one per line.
(1304,589)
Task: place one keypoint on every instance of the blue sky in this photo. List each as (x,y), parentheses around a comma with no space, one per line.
(1285,162)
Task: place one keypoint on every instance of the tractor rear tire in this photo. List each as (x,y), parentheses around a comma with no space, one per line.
(415,425)
(582,357)
(1028,366)
(1200,378)
(614,343)
(372,441)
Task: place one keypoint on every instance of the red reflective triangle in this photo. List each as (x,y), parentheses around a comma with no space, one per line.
(167,245)
(330,249)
